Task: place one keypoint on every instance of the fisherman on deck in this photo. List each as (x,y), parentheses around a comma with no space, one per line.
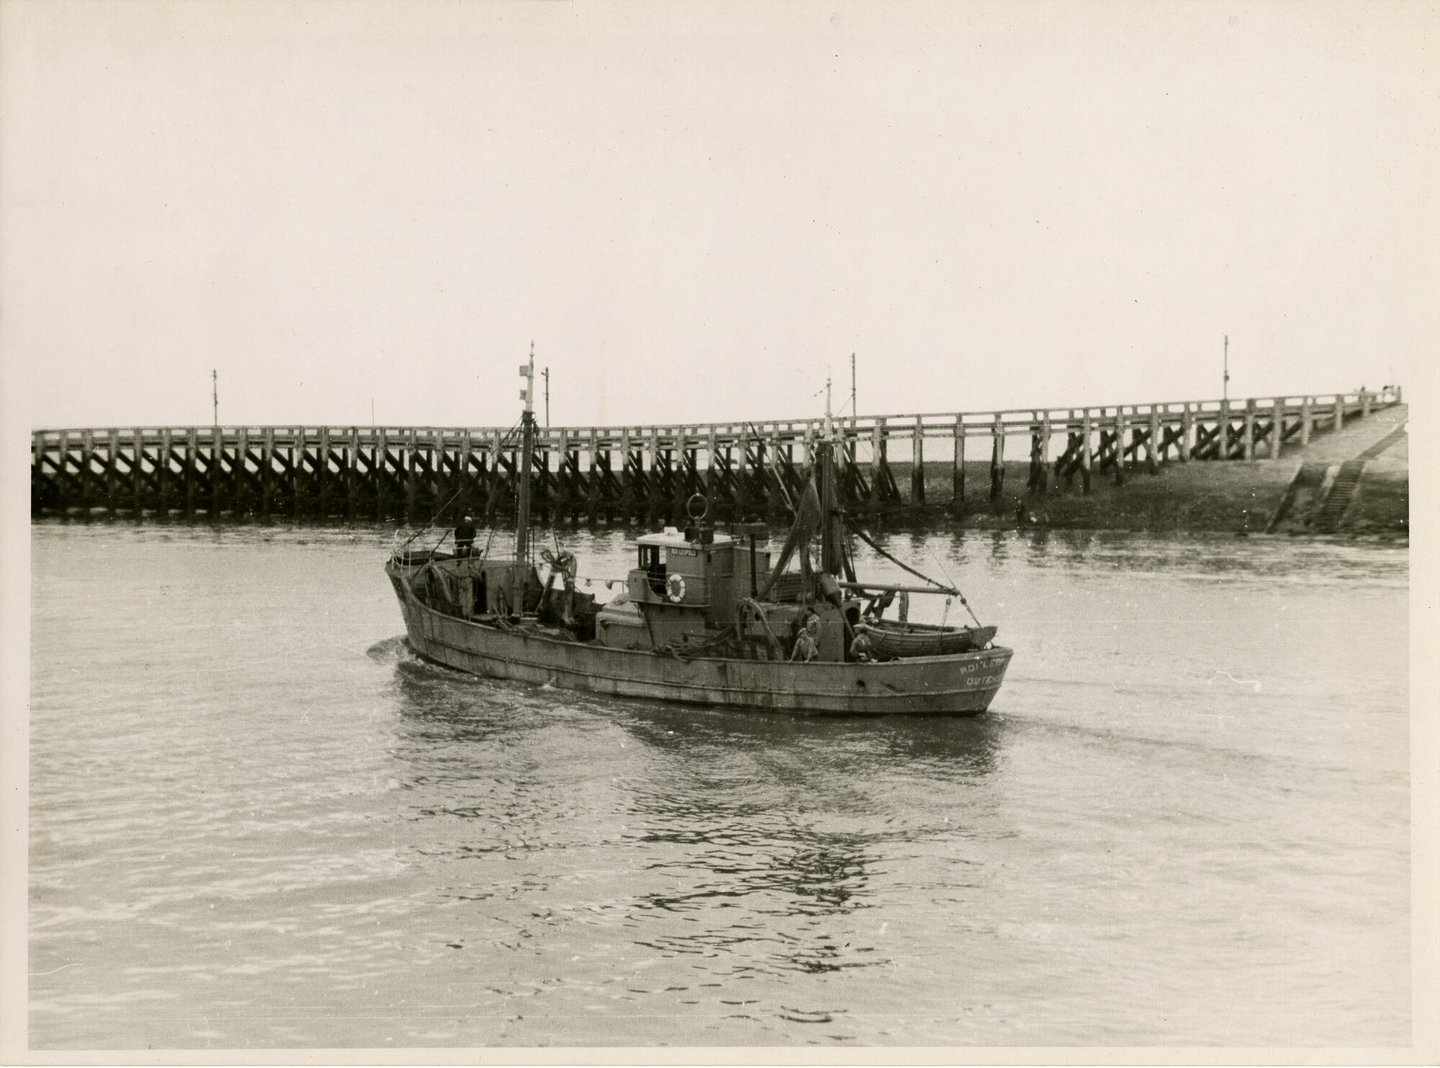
(807,643)
(860,648)
(876,608)
(464,536)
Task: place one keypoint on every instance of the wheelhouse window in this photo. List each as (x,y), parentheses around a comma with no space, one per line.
(654,568)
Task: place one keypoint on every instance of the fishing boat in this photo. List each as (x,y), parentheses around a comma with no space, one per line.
(705,616)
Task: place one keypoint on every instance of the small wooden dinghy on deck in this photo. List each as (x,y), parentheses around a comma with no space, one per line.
(895,640)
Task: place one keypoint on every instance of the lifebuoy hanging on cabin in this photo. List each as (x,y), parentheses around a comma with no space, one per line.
(676,588)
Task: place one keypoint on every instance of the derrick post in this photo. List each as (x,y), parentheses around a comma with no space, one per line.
(774,498)
(742,477)
(957,475)
(1249,438)
(1364,404)
(1223,430)
(917,464)
(1277,430)
(1187,428)
(1305,421)
(1339,411)
(544,499)
(1087,456)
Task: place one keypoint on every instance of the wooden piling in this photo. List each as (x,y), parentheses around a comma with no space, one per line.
(917,468)
(593,476)
(877,458)
(163,471)
(84,474)
(957,476)
(1121,425)
(379,471)
(652,462)
(997,460)
(627,496)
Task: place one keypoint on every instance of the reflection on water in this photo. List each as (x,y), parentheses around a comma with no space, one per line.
(751,834)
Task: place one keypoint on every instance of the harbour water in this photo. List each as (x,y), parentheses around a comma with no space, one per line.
(256,820)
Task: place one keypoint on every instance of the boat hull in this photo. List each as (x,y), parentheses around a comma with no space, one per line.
(958,685)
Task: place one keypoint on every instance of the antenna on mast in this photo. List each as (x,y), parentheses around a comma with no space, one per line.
(1225,382)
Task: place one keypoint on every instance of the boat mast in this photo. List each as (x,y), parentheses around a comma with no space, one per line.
(522,517)
(828,563)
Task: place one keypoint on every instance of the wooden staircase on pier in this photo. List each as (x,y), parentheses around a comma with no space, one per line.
(1337,501)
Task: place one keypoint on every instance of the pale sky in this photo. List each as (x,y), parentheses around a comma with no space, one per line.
(698,211)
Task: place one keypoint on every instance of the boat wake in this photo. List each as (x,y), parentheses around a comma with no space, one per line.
(393,651)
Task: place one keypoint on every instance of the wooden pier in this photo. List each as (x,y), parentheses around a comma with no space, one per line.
(646,473)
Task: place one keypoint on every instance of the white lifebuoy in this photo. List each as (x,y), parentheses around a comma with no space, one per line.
(676,588)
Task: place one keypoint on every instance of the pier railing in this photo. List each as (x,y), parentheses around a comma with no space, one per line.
(646,472)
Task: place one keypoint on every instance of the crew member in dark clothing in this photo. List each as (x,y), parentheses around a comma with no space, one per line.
(464,536)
